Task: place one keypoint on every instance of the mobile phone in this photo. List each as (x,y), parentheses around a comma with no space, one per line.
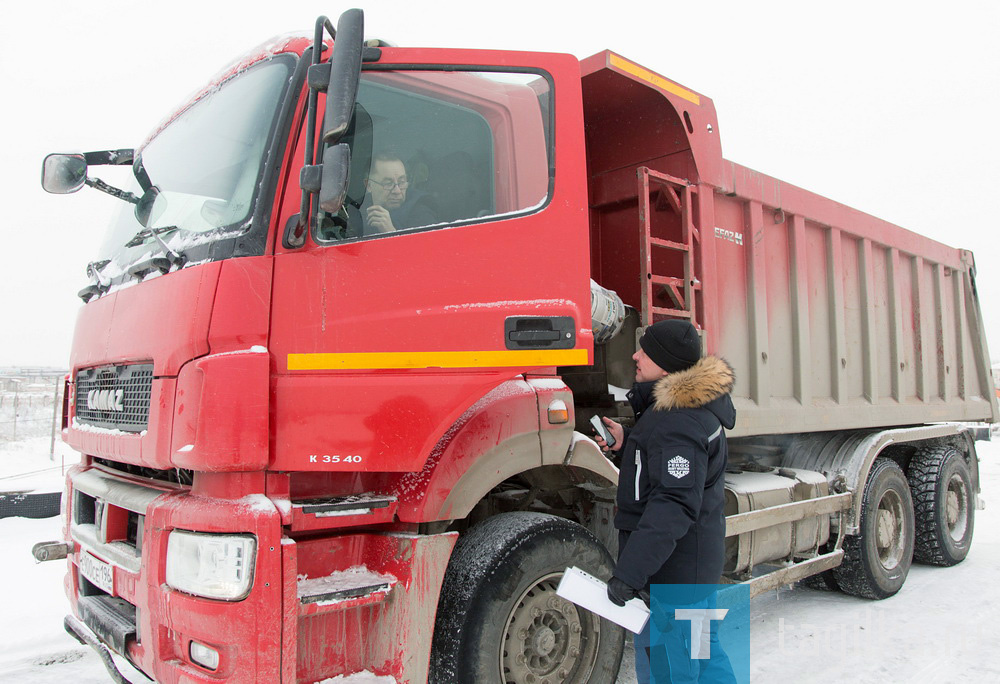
(602,430)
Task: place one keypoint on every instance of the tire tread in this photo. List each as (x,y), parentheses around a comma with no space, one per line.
(853,576)
(923,475)
(478,562)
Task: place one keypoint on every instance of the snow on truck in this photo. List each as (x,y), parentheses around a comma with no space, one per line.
(311,447)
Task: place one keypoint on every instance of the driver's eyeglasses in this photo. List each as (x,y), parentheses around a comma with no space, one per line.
(388,185)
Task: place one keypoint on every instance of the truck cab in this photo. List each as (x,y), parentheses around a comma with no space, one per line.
(286,414)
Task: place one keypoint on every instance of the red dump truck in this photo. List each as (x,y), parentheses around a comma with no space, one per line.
(313,444)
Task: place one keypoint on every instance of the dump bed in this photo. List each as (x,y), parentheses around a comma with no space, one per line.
(834,319)
(831,318)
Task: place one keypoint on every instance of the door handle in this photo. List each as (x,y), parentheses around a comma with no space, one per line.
(533,335)
(540,332)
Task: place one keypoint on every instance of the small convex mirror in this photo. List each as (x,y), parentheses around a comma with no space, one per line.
(63,173)
(150,207)
(336,169)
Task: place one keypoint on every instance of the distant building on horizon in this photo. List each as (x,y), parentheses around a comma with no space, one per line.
(14,378)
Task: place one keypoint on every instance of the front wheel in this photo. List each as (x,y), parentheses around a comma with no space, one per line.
(877,560)
(499,619)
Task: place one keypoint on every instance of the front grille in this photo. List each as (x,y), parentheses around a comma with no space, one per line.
(181,476)
(115,397)
(111,523)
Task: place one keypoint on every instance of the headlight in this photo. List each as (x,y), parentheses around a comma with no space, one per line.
(218,566)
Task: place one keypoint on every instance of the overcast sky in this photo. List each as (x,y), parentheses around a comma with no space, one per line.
(889,107)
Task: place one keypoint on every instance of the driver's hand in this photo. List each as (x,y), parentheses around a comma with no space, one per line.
(379,219)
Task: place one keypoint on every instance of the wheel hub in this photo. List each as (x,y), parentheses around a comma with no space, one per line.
(889,539)
(544,641)
(548,640)
(957,508)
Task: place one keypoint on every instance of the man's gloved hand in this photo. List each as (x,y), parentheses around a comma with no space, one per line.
(620,593)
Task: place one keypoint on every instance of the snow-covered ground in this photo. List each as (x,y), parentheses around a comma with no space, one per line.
(936,629)
(27,466)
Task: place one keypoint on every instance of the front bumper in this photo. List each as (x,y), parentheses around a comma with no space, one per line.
(132,610)
(286,629)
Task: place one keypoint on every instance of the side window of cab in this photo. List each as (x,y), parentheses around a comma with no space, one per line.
(435,148)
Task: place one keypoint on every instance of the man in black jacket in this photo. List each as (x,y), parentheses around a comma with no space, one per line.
(671,496)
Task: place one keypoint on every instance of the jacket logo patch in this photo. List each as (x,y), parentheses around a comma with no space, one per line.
(678,466)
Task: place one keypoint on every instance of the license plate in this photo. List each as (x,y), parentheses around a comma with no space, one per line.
(100,574)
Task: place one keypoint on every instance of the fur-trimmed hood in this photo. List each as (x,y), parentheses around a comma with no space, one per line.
(701,385)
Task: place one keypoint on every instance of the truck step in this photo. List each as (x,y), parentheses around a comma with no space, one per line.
(343,511)
(669,244)
(111,618)
(343,589)
(677,313)
(668,281)
(355,504)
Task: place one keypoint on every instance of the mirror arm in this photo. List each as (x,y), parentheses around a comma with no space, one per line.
(313,104)
(343,80)
(110,157)
(98,184)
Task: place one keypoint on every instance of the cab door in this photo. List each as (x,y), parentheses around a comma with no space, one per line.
(383,339)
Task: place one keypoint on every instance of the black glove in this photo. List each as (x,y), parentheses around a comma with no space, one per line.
(620,593)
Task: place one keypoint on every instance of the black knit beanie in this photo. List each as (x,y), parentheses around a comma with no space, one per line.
(672,345)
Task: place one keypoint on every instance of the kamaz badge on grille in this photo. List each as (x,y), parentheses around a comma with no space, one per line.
(106,400)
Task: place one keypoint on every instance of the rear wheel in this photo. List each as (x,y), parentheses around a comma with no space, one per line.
(877,560)
(499,619)
(943,505)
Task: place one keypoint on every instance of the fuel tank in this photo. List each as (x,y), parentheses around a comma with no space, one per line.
(751,491)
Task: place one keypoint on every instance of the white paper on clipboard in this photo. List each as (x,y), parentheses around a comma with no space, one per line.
(588,592)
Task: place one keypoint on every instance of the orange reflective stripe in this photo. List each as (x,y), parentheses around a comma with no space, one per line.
(450,359)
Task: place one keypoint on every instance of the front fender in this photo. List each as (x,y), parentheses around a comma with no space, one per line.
(496,439)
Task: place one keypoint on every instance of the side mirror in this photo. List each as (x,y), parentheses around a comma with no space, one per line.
(64,173)
(345,73)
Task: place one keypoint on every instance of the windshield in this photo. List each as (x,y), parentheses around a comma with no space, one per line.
(203,171)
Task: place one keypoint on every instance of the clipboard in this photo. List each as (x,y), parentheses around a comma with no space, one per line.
(588,592)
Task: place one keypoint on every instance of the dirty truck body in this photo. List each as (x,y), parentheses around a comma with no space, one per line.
(309,450)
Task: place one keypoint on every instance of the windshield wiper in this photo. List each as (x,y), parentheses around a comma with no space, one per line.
(98,288)
(172,257)
(94,271)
